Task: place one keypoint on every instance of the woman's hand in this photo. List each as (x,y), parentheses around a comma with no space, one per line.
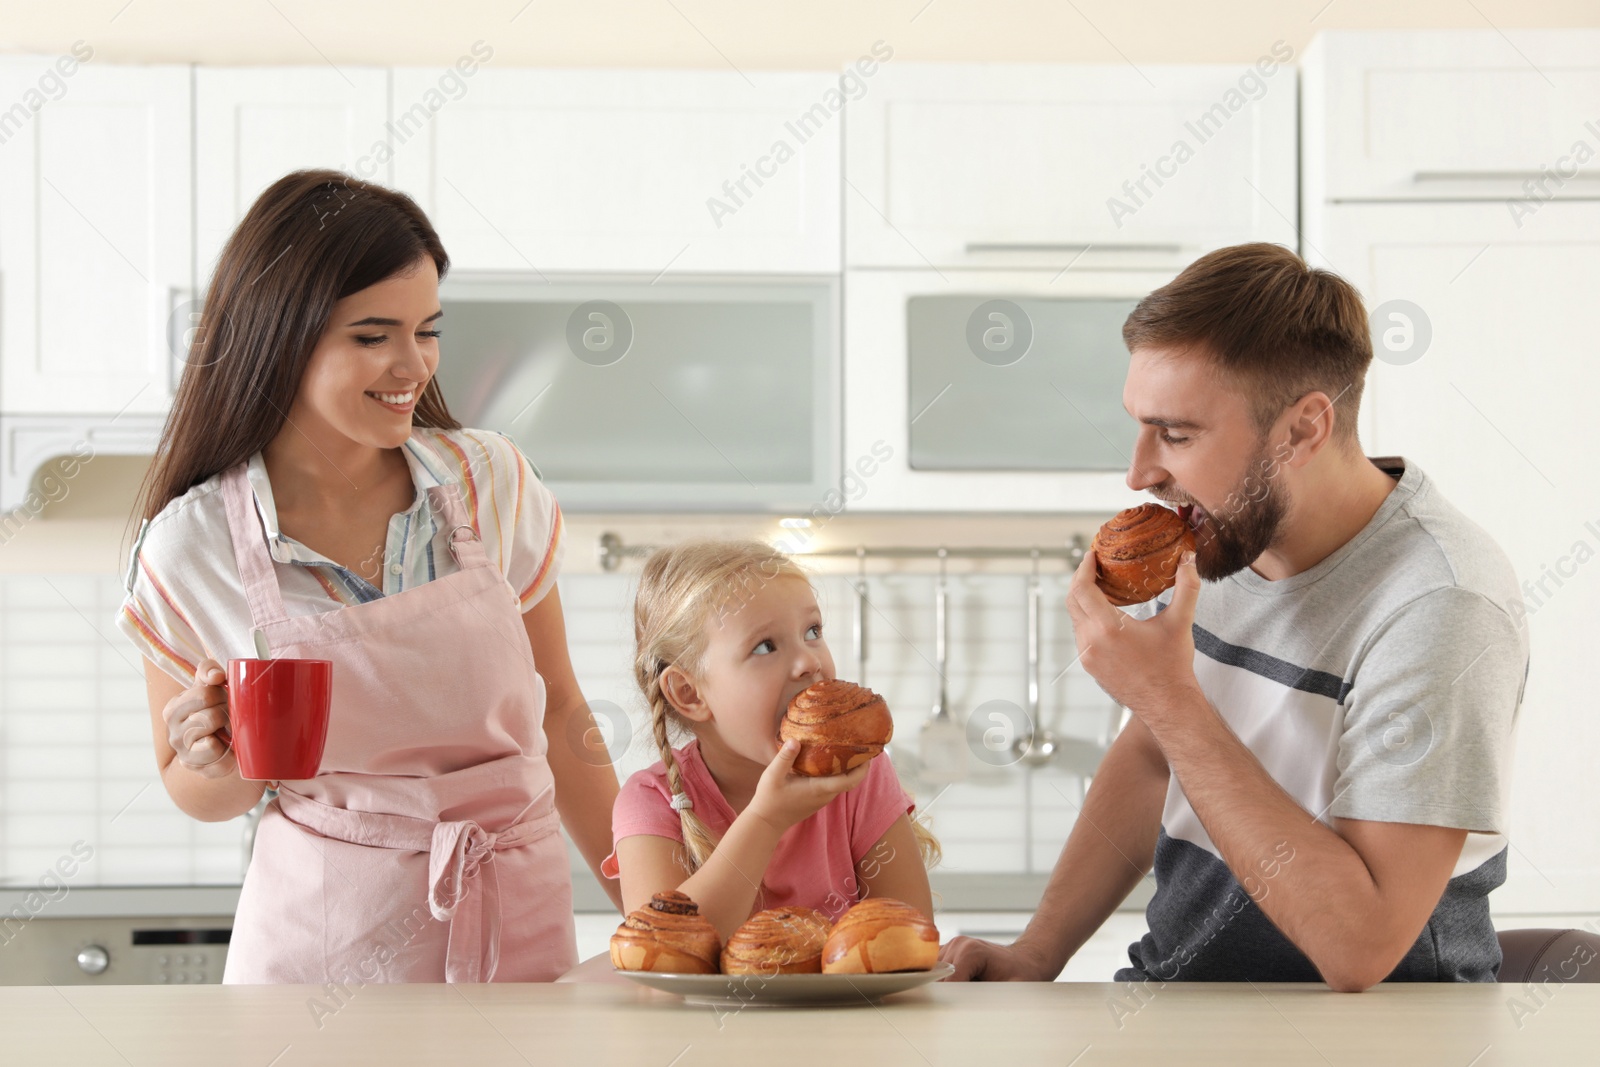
(783,798)
(193,719)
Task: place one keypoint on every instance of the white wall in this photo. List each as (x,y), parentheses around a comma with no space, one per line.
(730,33)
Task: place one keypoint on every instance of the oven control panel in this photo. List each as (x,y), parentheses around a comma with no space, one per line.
(193,967)
(190,950)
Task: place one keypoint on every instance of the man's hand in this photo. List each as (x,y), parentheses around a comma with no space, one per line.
(1143,665)
(985,961)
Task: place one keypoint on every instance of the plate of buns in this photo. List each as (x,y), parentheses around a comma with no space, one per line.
(780,956)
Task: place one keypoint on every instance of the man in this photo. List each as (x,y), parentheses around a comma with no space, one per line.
(1317,763)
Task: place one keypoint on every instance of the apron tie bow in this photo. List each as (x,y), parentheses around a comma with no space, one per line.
(464,890)
(463,884)
(461,850)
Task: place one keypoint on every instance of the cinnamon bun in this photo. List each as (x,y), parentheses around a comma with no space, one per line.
(777,941)
(1137,553)
(669,934)
(840,725)
(880,934)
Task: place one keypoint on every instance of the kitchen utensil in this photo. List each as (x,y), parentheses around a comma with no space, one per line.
(278,716)
(943,746)
(1037,746)
(262,652)
(862,606)
(787,990)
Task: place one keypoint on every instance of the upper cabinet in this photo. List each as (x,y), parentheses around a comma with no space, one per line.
(641,172)
(253,125)
(1020,165)
(119,191)
(1452,115)
(96,250)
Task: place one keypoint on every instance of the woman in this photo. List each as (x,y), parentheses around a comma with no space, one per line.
(312,485)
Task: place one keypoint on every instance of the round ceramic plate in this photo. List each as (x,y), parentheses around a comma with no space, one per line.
(787,990)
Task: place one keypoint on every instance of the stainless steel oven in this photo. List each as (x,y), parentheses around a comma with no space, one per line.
(139,935)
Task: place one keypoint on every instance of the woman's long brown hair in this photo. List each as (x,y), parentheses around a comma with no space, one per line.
(311,239)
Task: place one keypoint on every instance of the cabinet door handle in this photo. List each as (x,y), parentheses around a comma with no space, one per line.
(1067,246)
(1423,176)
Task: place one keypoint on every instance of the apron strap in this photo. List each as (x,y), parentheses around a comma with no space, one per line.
(463,882)
(261,588)
(250,549)
(461,533)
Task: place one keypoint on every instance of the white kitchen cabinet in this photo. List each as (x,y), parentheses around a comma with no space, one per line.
(632,171)
(1031,165)
(96,247)
(1079,403)
(1452,115)
(681,393)
(1451,176)
(1495,406)
(253,125)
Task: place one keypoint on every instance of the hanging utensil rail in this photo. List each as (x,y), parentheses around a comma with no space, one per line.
(613,550)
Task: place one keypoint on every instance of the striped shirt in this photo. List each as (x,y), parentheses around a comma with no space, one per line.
(185,600)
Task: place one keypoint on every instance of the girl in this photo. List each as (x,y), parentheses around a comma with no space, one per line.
(312,486)
(727,634)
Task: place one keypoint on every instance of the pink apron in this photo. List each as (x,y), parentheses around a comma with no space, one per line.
(427,848)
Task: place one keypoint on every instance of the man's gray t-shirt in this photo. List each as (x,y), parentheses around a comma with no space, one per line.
(1382,684)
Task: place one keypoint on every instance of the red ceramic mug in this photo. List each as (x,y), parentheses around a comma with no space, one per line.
(278,716)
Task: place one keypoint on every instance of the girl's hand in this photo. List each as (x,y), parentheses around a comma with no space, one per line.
(193,719)
(784,798)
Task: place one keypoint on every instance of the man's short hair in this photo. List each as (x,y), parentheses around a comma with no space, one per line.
(1278,328)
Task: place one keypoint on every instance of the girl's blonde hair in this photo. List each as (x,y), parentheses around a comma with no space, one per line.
(681,589)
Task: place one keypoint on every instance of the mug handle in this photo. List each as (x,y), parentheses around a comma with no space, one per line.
(225,735)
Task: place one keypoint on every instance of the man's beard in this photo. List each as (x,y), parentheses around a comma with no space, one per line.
(1228,543)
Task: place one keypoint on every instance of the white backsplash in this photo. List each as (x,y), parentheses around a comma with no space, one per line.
(76,763)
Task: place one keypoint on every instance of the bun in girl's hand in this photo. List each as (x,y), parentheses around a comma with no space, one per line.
(879,935)
(1138,552)
(669,935)
(839,725)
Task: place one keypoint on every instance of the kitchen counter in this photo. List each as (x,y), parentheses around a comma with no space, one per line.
(603,1023)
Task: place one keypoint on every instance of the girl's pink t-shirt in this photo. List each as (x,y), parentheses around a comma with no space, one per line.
(814,864)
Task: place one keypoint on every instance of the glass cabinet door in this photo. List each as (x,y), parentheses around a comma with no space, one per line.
(627,396)
(1018,384)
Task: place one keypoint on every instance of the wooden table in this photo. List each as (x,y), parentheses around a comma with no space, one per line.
(598,1024)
